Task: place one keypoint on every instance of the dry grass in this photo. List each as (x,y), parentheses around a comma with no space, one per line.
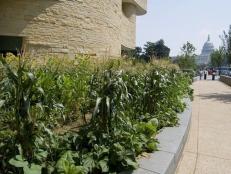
(93,63)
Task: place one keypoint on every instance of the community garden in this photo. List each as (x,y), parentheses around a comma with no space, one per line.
(84,115)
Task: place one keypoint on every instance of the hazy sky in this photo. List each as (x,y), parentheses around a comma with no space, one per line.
(179,21)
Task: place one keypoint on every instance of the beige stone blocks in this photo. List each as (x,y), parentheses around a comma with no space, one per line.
(71,26)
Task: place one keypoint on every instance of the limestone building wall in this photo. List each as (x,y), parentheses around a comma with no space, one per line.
(128,25)
(70,26)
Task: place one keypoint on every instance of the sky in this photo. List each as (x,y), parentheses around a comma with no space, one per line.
(179,21)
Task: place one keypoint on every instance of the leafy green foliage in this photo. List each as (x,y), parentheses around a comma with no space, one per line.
(187,60)
(151,50)
(23,97)
(157,49)
(126,102)
(132,53)
(66,165)
(218,58)
(186,63)
(226,45)
(188,50)
(19,162)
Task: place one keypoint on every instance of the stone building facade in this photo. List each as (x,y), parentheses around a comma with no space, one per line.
(69,27)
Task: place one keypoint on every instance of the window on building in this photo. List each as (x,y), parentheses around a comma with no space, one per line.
(10,44)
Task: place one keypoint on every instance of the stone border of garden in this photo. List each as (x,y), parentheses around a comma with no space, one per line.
(195,79)
(225,79)
(171,144)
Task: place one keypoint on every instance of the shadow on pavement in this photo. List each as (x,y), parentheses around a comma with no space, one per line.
(223,97)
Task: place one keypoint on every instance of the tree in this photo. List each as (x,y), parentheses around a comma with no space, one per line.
(187,59)
(156,50)
(226,40)
(217,57)
(137,52)
(186,62)
(132,53)
(188,49)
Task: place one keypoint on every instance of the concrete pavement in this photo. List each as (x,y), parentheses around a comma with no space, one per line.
(208,148)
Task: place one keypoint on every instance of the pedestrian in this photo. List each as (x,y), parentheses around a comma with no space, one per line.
(205,74)
(214,74)
(201,73)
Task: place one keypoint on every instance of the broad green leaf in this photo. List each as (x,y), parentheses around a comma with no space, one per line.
(2,103)
(104,166)
(98,101)
(41,155)
(132,164)
(63,166)
(154,121)
(67,156)
(151,146)
(75,170)
(41,91)
(108,104)
(31,76)
(59,105)
(66,165)
(33,169)
(89,163)
(50,169)
(18,161)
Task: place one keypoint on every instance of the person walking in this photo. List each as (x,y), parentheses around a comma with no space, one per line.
(214,74)
(201,73)
(205,74)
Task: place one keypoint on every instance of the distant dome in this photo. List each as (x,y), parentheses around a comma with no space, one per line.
(208,47)
(207,50)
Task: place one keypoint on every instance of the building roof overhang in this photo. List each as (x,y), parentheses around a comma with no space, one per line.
(141,6)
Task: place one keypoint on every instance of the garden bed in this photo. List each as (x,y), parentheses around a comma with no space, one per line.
(107,113)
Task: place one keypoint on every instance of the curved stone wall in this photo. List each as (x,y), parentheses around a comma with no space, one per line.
(70,26)
(141,5)
(225,79)
(128,27)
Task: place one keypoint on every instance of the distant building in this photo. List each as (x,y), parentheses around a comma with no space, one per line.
(207,50)
(69,27)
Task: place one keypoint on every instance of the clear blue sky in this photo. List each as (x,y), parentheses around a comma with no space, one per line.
(179,21)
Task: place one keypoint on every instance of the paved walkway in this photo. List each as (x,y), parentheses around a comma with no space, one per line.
(208,148)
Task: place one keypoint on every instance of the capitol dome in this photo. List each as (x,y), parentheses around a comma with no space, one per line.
(208,47)
(207,50)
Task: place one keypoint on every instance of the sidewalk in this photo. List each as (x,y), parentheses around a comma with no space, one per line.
(208,148)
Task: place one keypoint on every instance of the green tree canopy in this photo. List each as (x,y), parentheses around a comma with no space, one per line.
(226,40)
(188,50)
(187,59)
(132,53)
(186,62)
(218,57)
(156,50)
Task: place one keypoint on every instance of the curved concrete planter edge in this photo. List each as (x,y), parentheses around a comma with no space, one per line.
(171,144)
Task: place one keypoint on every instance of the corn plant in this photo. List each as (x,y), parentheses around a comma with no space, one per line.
(128,101)
(25,95)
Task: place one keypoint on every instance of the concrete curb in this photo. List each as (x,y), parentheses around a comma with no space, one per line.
(171,144)
(225,79)
(195,79)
